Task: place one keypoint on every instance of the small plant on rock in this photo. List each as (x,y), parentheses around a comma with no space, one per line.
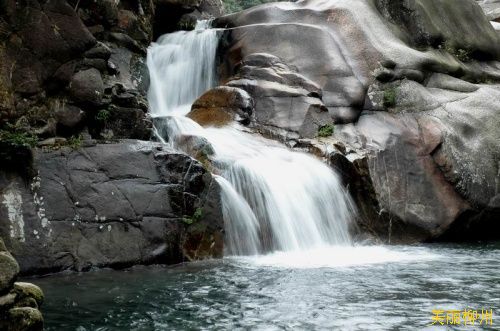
(463,55)
(103,115)
(326,130)
(390,97)
(197,215)
(75,142)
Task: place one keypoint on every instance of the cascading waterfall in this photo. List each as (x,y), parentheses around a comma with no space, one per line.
(273,199)
(182,67)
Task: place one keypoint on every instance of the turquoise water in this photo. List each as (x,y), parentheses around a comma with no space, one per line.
(364,288)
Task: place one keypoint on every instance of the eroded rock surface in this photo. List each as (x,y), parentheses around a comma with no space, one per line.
(413,91)
(110,205)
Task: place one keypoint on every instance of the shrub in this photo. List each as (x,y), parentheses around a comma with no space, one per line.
(75,142)
(326,130)
(103,115)
(463,55)
(17,138)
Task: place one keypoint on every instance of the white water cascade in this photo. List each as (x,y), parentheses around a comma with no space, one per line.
(273,199)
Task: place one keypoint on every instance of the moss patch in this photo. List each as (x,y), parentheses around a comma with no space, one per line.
(326,130)
(389,97)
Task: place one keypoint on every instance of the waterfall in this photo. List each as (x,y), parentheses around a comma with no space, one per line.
(273,199)
(183,66)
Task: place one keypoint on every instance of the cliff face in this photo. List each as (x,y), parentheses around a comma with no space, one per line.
(409,90)
(78,186)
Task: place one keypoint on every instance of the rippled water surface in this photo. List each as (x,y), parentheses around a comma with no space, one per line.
(363,288)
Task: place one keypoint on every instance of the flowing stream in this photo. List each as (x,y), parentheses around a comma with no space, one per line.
(290,263)
(274,199)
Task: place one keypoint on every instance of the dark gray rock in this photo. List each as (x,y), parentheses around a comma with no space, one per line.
(110,205)
(69,116)
(87,87)
(128,123)
(99,51)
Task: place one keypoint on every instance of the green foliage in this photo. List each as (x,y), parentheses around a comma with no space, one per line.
(390,97)
(197,215)
(103,115)
(463,55)
(187,25)
(233,6)
(16,137)
(75,142)
(326,130)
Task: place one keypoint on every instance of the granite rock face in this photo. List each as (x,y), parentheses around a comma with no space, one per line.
(114,205)
(412,89)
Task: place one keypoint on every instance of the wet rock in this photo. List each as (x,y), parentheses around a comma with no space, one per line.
(222,105)
(87,87)
(24,319)
(117,204)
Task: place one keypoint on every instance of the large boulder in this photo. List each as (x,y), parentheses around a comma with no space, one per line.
(110,205)
(87,87)
(411,89)
(221,105)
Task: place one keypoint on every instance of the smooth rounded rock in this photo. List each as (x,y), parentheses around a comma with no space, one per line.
(9,269)
(87,87)
(25,319)
(28,290)
(221,105)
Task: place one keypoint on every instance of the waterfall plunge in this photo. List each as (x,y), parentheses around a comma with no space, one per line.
(273,199)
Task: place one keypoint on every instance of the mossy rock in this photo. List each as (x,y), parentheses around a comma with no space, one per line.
(27,293)
(24,319)
(9,269)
